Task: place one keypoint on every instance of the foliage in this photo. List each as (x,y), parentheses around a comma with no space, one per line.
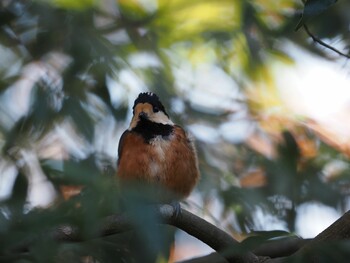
(70,70)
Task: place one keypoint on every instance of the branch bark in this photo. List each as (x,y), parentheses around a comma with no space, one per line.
(281,247)
(229,250)
(214,237)
(211,258)
(339,230)
(195,226)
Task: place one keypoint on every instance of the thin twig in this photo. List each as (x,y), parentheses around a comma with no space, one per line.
(319,41)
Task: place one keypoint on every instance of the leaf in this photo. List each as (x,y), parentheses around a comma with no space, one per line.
(260,237)
(289,150)
(74,5)
(81,171)
(313,8)
(7,16)
(84,123)
(19,194)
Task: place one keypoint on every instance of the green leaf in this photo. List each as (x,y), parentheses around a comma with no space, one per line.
(81,171)
(84,123)
(19,195)
(260,237)
(313,8)
(74,5)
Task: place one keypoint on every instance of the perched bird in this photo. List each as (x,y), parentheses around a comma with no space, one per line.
(155,150)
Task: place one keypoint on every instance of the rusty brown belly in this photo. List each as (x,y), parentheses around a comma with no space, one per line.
(171,163)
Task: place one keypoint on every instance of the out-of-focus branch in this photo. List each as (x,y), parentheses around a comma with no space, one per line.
(319,41)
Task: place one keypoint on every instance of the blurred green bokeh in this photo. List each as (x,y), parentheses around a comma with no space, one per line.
(69,72)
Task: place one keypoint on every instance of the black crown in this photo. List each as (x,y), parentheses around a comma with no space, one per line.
(151,98)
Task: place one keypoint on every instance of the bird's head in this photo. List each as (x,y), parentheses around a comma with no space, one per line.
(147,107)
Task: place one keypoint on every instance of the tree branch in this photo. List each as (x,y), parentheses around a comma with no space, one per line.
(319,41)
(280,247)
(273,249)
(214,237)
(339,230)
(229,250)
(212,258)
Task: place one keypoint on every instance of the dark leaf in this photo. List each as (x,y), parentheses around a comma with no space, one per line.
(257,238)
(19,195)
(313,8)
(73,108)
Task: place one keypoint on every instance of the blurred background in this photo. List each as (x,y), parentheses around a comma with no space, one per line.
(268,107)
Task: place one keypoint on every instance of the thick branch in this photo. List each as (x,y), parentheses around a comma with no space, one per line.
(339,230)
(229,249)
(280,247)
(214,237)
(211,235)
(211,258)
(273,249)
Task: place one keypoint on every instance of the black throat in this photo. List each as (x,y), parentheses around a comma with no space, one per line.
(149,130)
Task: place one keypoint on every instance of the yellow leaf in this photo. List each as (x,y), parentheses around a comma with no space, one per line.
(187,19)
(69,4)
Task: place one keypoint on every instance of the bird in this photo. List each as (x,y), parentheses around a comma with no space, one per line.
(156,151)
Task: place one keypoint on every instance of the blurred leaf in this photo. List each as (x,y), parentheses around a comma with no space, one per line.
(5,82)
(189,19)
(289,152)
(133,9)
(72,107)
(243,201)
(152,240)
(76,4)
(6,16)
(18,197)
(100,40)
(256,238)
(313,8)
(81,171)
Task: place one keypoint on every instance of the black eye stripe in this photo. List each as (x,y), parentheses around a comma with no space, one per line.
(155,109)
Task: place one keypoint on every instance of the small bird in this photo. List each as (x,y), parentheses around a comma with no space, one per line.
(156,151)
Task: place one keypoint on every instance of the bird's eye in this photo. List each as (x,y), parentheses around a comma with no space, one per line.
(155,109)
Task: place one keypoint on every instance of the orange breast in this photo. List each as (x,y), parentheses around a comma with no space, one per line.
(172,162)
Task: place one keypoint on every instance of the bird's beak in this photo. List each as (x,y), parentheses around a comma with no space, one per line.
(143,115)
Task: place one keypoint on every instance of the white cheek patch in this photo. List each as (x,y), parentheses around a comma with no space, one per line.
(160,117)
